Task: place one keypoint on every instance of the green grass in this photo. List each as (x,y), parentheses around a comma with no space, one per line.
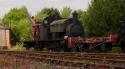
(116,50)
(18,47)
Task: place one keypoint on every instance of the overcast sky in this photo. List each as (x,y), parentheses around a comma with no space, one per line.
(34,6)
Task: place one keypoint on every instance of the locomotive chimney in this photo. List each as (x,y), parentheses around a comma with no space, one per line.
(74,14)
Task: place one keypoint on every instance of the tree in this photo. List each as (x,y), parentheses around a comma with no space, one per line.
(47,11)
(0,21)
(66,12)
(103,16)
(18,22)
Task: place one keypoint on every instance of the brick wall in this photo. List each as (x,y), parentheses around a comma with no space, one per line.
(8,38)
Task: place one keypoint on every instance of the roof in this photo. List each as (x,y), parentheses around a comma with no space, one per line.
(58,22)
(3,27)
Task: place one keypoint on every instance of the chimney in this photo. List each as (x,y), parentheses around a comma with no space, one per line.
(74,14)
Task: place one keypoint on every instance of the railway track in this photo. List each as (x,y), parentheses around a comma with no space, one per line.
(71,60)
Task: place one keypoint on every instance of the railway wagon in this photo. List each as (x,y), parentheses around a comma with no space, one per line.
(60,34)
(102,44)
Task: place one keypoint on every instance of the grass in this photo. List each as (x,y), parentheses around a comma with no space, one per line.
(18,47)
(116,50)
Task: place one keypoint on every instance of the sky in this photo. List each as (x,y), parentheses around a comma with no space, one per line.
(34,6)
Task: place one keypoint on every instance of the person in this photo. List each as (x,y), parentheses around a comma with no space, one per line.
(33,27)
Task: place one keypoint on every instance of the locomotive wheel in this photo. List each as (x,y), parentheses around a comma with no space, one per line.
(74,49)
(102,48)
(105,47)
(77,48)
(80,47)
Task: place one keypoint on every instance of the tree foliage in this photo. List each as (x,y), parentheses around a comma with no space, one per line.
(47,11)
(66,12)
(103,16)
(18,22)
(0,21)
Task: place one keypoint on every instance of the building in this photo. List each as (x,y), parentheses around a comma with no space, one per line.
(4,37)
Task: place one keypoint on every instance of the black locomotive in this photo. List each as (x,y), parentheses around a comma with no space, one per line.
(52,32)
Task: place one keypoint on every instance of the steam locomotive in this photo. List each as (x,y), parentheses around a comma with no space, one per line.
(60,34)
(52,32)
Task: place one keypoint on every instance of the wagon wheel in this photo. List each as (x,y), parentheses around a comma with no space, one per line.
(105,47)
